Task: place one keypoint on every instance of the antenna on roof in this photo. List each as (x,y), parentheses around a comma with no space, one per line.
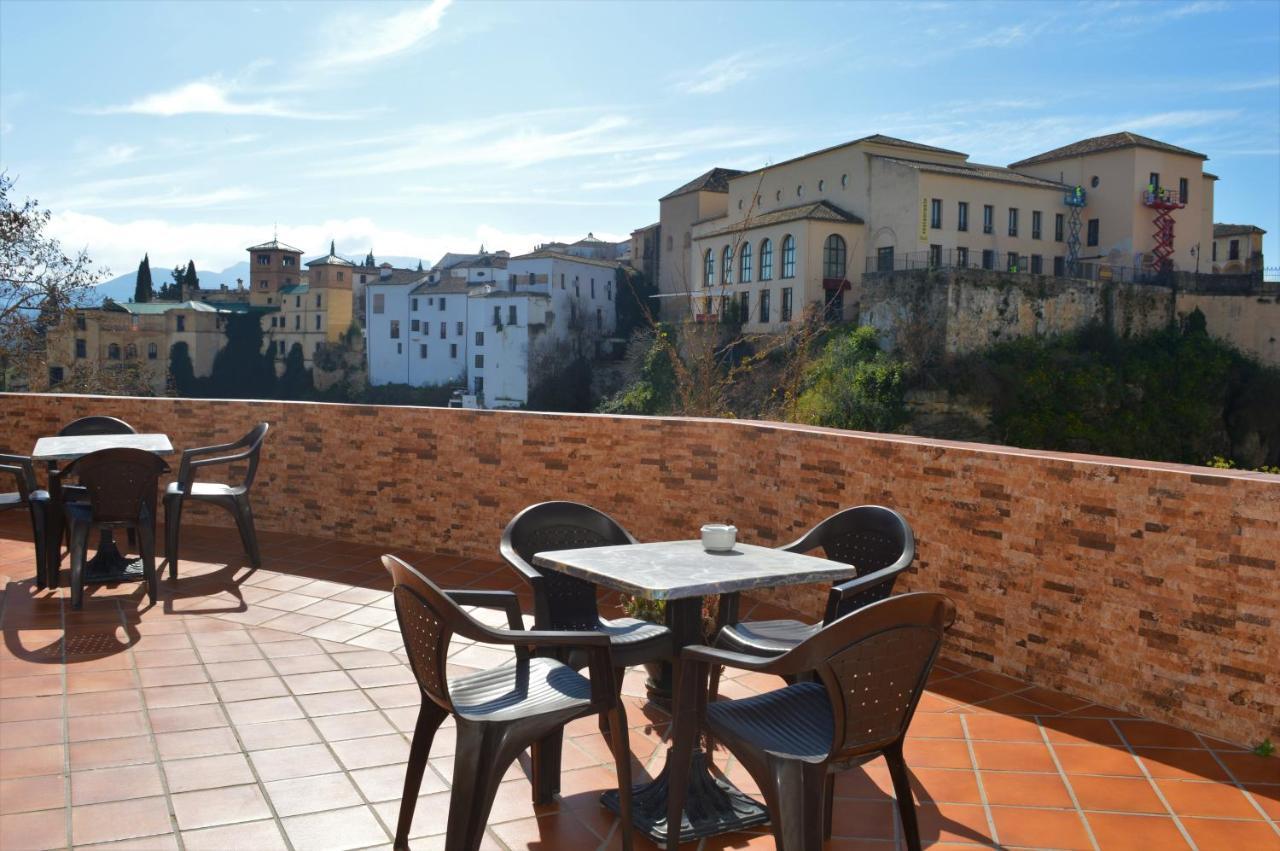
(275,231)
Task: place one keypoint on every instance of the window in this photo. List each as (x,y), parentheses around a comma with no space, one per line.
(131,352)
(395,329)
(1057,227)
(340,277)
(297,321)
(744,306)
(988,258)
(1059,267)
(764,305)
(788,256)
(113,351)
(1035,224)
(379,303)
(1233,250)
(1153,182)
(182,323)
(1092,235)
(599,319)
(1013,221)
(988,218)
(443,329)
(457,328)
(442,303)
(479,361)
(709,268)
(1184,191)
(415,326)
(577,290)
(834,258)
(726,265)
(479,338)
(935,213)
(766,260)
(962,257)
(744,263)
(497,316)
(608,290)
(317,299)
(562,273)
(280,347)
(80,323)
(55,374)
(453,350)
(82,347)
(1215,252)
(422,350)
(297,301)
(786,304)
(479,385)
(264,260)
(935,256)
(962,215)
(593,285)
(1012,260)
(511,314)
(884,259)
(262,285)
(288,261)
(1037,264)
(399,347)
(317,348)
(413,305)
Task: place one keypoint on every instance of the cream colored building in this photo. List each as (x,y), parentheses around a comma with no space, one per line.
(1237,249)
(309,307)
(798,235)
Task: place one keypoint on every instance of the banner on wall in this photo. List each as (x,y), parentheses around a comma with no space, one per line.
(924,219)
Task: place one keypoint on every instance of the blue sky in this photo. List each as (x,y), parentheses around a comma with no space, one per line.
(191,129)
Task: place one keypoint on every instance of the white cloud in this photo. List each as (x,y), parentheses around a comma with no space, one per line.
(208,97)
(113,155)
(1200,7)
(176,199)
(721,74)
(379,38)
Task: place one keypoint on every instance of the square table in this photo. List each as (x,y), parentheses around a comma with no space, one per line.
(107,565)
(682,573)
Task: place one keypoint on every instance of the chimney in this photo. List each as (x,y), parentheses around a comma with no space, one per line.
(240,285)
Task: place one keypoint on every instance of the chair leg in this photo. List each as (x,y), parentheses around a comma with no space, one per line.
(248,534)
(545,756)
(430,717)
(828,805)
(621,747)
(79,533)
(172,515)
(713,694)
(146,537)
(796,797)
(684,727)
(132,537)
(478,766)
(37,532)
(902,790)
(618,674)
(54,521)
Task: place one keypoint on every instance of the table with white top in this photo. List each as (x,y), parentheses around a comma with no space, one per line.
(107,565)
(681,573)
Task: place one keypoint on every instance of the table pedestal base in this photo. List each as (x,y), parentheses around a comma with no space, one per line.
(110,565)
(713,806)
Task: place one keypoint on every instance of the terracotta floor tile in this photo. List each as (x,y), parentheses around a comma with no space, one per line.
(1116,794)
(1267,797)
(261,711)
(1001,728)
(1080,731)
(1135,833)
(953,823)
(25,734)
(28,708)
(119,820)
(113,726)
(353,726)
(299,761)
(937,753)
(312,794)
(91,681)
(1249,768)
(336,830)
(253,688)
(182,718)
(1041,828)
(27,794)
(29,762)
(104,753)
(225,805)
(864,819)
(1221,835)
(257,835)
(1013,756)
(34,831)
(380,750)
(1181,764)
(162,842)
(115,784)
(288,665)
(1025,790)
(208,772)
(1095,759)
(192,743)
(386,782)
(1153,734)
(430,815)
(952,786)
(1213,800)
(184,695)
(552,830)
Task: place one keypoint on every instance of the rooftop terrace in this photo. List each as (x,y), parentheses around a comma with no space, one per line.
(1114,657)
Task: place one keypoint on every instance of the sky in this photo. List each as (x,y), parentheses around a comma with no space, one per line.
(195,129)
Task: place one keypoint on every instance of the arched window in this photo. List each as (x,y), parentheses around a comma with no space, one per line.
(709,274)
(726,263)
(834,257)
(131,352)
(788,256)
(153,351)
(744,263)
(766,260)
(113,351)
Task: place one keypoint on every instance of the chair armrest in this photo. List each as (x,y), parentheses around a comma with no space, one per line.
(885,576)
(192,461)
(781,665)
(504,600)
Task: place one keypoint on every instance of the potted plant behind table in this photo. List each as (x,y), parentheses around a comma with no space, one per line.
(658,686)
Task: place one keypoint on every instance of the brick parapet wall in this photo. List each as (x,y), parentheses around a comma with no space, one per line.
(1151,587)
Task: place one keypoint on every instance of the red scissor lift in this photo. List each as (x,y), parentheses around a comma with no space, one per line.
(1164,202)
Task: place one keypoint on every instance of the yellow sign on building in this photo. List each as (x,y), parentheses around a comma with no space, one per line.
(924,219)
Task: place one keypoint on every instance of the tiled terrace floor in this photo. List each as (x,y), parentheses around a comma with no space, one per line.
(272,709)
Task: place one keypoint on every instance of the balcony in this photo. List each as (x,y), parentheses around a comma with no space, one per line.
(1114,658)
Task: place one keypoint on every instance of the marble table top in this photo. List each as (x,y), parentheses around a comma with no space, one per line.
(672,570)
(70,448)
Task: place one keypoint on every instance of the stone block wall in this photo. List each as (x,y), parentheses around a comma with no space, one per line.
(1151,587)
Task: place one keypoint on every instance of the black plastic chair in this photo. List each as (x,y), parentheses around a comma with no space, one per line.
(499,712)
(876,541)
(87,427)
(121,485)
(563,602)
(36,501)
(871,665)
(232,498)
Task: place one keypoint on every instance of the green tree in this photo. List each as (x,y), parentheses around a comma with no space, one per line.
(142,291)
(241,370)
(191,281)
(633,304)
(854,385)
(654,390)
(295,381)
(369,261)
(419,264)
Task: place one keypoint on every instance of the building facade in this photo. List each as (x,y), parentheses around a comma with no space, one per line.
(1237,249)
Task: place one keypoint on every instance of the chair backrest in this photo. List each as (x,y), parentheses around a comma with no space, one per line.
(428,619)
(868,537)
(874,664)
(95,425)
(23,470)
(253,442)
(560,601)
(121,483)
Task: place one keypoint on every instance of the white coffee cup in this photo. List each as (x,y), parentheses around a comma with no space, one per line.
(719,537)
